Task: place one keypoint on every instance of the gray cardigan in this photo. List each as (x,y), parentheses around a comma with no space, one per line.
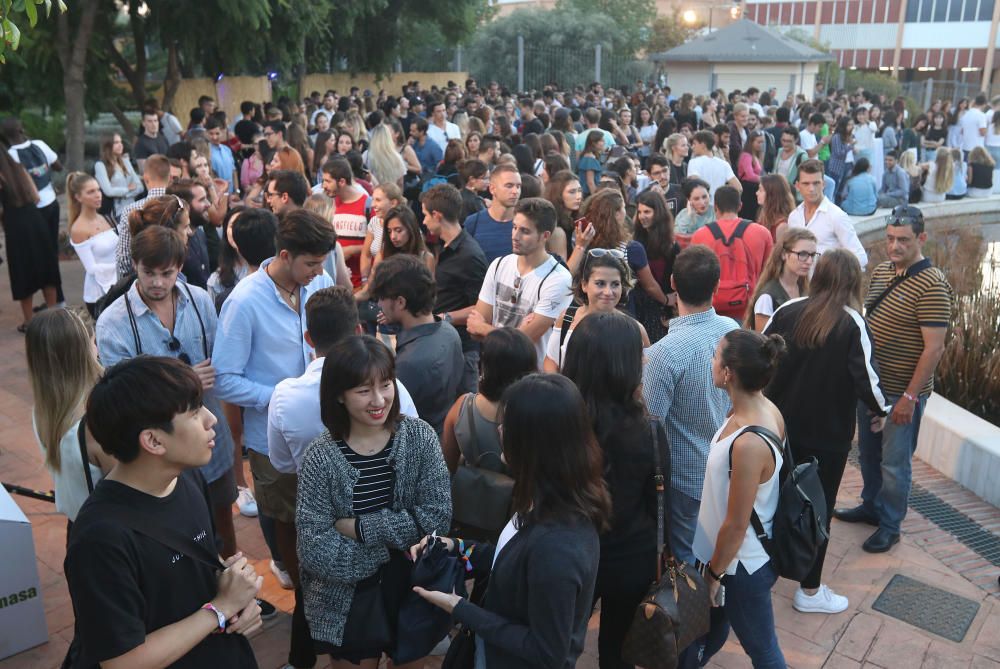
(330,563)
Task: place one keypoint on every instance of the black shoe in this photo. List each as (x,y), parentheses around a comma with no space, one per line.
(858,514)
(39,308)
(267,610)
(881,541)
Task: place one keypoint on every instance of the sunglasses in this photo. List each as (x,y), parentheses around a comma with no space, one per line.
(173,216)
(517,289)
(599,253)
(174,345)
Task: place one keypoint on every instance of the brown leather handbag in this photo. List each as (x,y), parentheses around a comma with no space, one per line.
(675,611)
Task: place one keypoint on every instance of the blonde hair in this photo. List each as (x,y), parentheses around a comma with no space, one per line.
(979,156)
(320,204)
(775,267)
(62,369)
(384,161)
(75,183)
(945,177)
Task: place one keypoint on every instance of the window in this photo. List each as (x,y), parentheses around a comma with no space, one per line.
(955,10)
(926,6)
(986,10)
(913,10)
(971,8)
(941,9)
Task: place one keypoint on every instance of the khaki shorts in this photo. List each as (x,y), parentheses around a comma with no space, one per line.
(275,492)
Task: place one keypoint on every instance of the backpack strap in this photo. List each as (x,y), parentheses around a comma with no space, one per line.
(81,439)
(471,420)
(772,440)
(716,230)
(201,323)
(541,283)
(568,317)
(172,539)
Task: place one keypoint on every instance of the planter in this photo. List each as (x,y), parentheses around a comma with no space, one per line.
(962,446)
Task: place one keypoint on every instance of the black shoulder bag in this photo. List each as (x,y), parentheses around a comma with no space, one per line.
(676,609)
(481,489)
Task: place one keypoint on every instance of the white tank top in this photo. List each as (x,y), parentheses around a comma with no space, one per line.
(715,503)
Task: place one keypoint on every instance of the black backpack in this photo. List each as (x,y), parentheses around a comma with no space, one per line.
(33,160)
(799,529)
(114,292)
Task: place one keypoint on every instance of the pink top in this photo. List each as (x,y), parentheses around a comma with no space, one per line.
(748,168)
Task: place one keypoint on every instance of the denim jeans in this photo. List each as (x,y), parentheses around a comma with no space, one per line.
(683,519)
(829,187)
(885,464)
(748,608)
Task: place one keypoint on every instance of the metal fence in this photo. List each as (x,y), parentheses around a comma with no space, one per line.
(530,67)
(928,90)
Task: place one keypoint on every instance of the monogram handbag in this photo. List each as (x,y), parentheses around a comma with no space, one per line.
(675,611)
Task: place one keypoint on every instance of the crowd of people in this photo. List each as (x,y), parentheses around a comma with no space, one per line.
(486,317)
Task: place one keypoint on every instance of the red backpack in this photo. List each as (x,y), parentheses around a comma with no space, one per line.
(738,276)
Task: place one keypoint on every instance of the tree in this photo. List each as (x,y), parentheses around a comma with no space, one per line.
(633,17)
(559,46)
(669,32)
(72,47)
(10,33)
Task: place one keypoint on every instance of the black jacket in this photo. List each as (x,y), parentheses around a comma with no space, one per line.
(817,390)
(539,598)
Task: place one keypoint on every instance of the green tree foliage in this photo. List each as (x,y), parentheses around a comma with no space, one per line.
(11,16)
(669,32)
(559,46)
(633,17)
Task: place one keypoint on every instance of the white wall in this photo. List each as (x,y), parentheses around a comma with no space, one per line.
(696,78)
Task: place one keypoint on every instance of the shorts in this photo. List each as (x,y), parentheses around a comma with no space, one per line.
(222,491)
(275,492)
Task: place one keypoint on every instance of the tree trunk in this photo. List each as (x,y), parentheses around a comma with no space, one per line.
(72,49)
(172,81)
(128,128)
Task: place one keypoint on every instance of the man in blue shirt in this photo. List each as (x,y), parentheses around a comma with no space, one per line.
(895,184)
(223,163)
(492,227)
(164,316)
(677,386)
(260,342)
(428,152)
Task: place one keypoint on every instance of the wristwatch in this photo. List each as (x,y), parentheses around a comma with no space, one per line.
(712,574)
(218,614)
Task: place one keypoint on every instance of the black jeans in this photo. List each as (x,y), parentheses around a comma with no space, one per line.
(51,215)
(621,585)
(831,471)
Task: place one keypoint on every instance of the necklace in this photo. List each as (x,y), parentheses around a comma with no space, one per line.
(292,296)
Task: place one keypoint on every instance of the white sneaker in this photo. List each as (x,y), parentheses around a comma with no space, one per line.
(284,580)
(824,601)
(246,502)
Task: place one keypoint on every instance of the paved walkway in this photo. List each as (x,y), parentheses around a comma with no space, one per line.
(859,637)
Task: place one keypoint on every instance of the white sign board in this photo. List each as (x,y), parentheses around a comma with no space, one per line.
(22,612)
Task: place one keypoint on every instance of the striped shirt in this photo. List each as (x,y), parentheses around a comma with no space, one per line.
(922,298)
(123,254)
(373,491)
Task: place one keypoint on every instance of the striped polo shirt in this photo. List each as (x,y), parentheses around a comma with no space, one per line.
(922,298)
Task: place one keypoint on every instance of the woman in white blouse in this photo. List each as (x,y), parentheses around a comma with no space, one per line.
(93,237)
(115,174)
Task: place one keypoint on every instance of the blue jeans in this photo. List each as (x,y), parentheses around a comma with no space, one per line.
(748,608)
(683,519)
(885,464)
(829,187)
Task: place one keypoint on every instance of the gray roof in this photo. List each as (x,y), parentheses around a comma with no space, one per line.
(743,41)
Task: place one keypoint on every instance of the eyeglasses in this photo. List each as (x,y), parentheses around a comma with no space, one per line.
(174,345)
(803,256)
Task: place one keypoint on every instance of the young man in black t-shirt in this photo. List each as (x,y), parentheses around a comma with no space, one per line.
(138,601)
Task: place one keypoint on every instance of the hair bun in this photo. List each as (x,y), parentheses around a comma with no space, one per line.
(774,348)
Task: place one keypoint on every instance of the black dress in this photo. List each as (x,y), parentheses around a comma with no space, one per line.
(31,263)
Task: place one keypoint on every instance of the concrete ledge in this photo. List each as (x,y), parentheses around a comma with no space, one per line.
(962,446)
(937,215)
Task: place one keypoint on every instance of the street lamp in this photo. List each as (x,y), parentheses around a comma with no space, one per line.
(690,16)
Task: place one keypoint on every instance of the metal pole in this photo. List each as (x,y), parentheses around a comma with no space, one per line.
(840,79)
(597,62)
(929,93)
(458,58)
(520,63)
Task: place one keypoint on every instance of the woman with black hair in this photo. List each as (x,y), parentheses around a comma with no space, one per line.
(655,231)
(369,486)
(543,568)
(604,360)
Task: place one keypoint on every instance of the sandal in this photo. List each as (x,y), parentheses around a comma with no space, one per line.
(22,328)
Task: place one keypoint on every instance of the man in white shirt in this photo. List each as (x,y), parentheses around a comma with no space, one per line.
(973,126)
(440,129)
(832,227)
(528,289)
(328,109)
(809,138)
(714,171)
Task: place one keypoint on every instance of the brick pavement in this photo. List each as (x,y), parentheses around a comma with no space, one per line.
(858,637)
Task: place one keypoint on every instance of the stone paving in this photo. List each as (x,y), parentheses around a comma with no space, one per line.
(858,637)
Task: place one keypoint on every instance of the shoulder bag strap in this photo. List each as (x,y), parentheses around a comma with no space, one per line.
(661,493)
(201,323)
(895,283)
(568,317)
(132,322)
(172,539)
(81,438)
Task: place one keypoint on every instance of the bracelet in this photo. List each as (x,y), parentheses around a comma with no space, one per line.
(910,397)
